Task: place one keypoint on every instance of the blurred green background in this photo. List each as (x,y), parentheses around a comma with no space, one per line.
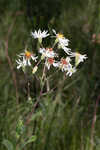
(69,117)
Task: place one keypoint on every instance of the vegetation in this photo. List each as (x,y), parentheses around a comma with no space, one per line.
(66,118)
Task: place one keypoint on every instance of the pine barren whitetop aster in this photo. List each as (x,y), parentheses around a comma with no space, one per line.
(62,42)
(51,61)
(64,63)
(78,57)
(39,34)
(26,57)
(47,52)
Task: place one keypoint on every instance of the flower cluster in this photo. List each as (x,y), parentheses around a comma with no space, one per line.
(50,55)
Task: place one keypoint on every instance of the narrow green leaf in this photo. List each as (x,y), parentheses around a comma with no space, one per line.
(31,139)
(8,144)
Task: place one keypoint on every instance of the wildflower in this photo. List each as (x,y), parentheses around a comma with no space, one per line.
(51,61)
(64,63)
(39,34)
(78,58)
(70,70)
(48,52)
(62,42)
(59,35)
(27,56)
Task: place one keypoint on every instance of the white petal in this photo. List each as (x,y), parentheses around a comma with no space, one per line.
(67,50)
(56,64)
(54,31)
(28,61)
(19,66)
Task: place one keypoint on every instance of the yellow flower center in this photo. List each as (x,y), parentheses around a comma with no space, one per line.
(28,54)
(59,35)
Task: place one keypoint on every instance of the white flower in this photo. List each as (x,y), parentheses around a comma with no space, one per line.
(51,61)
(64,64)
(26,57)
(20,63)
(62,42)
(70,70)
(39,34)
(48,52)
(78,57)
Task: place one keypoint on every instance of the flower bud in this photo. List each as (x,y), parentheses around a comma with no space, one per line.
(42,57)
(34,70)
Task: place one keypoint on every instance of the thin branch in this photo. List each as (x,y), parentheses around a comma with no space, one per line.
(34,107)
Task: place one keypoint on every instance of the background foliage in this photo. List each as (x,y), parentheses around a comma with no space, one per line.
(68,118)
